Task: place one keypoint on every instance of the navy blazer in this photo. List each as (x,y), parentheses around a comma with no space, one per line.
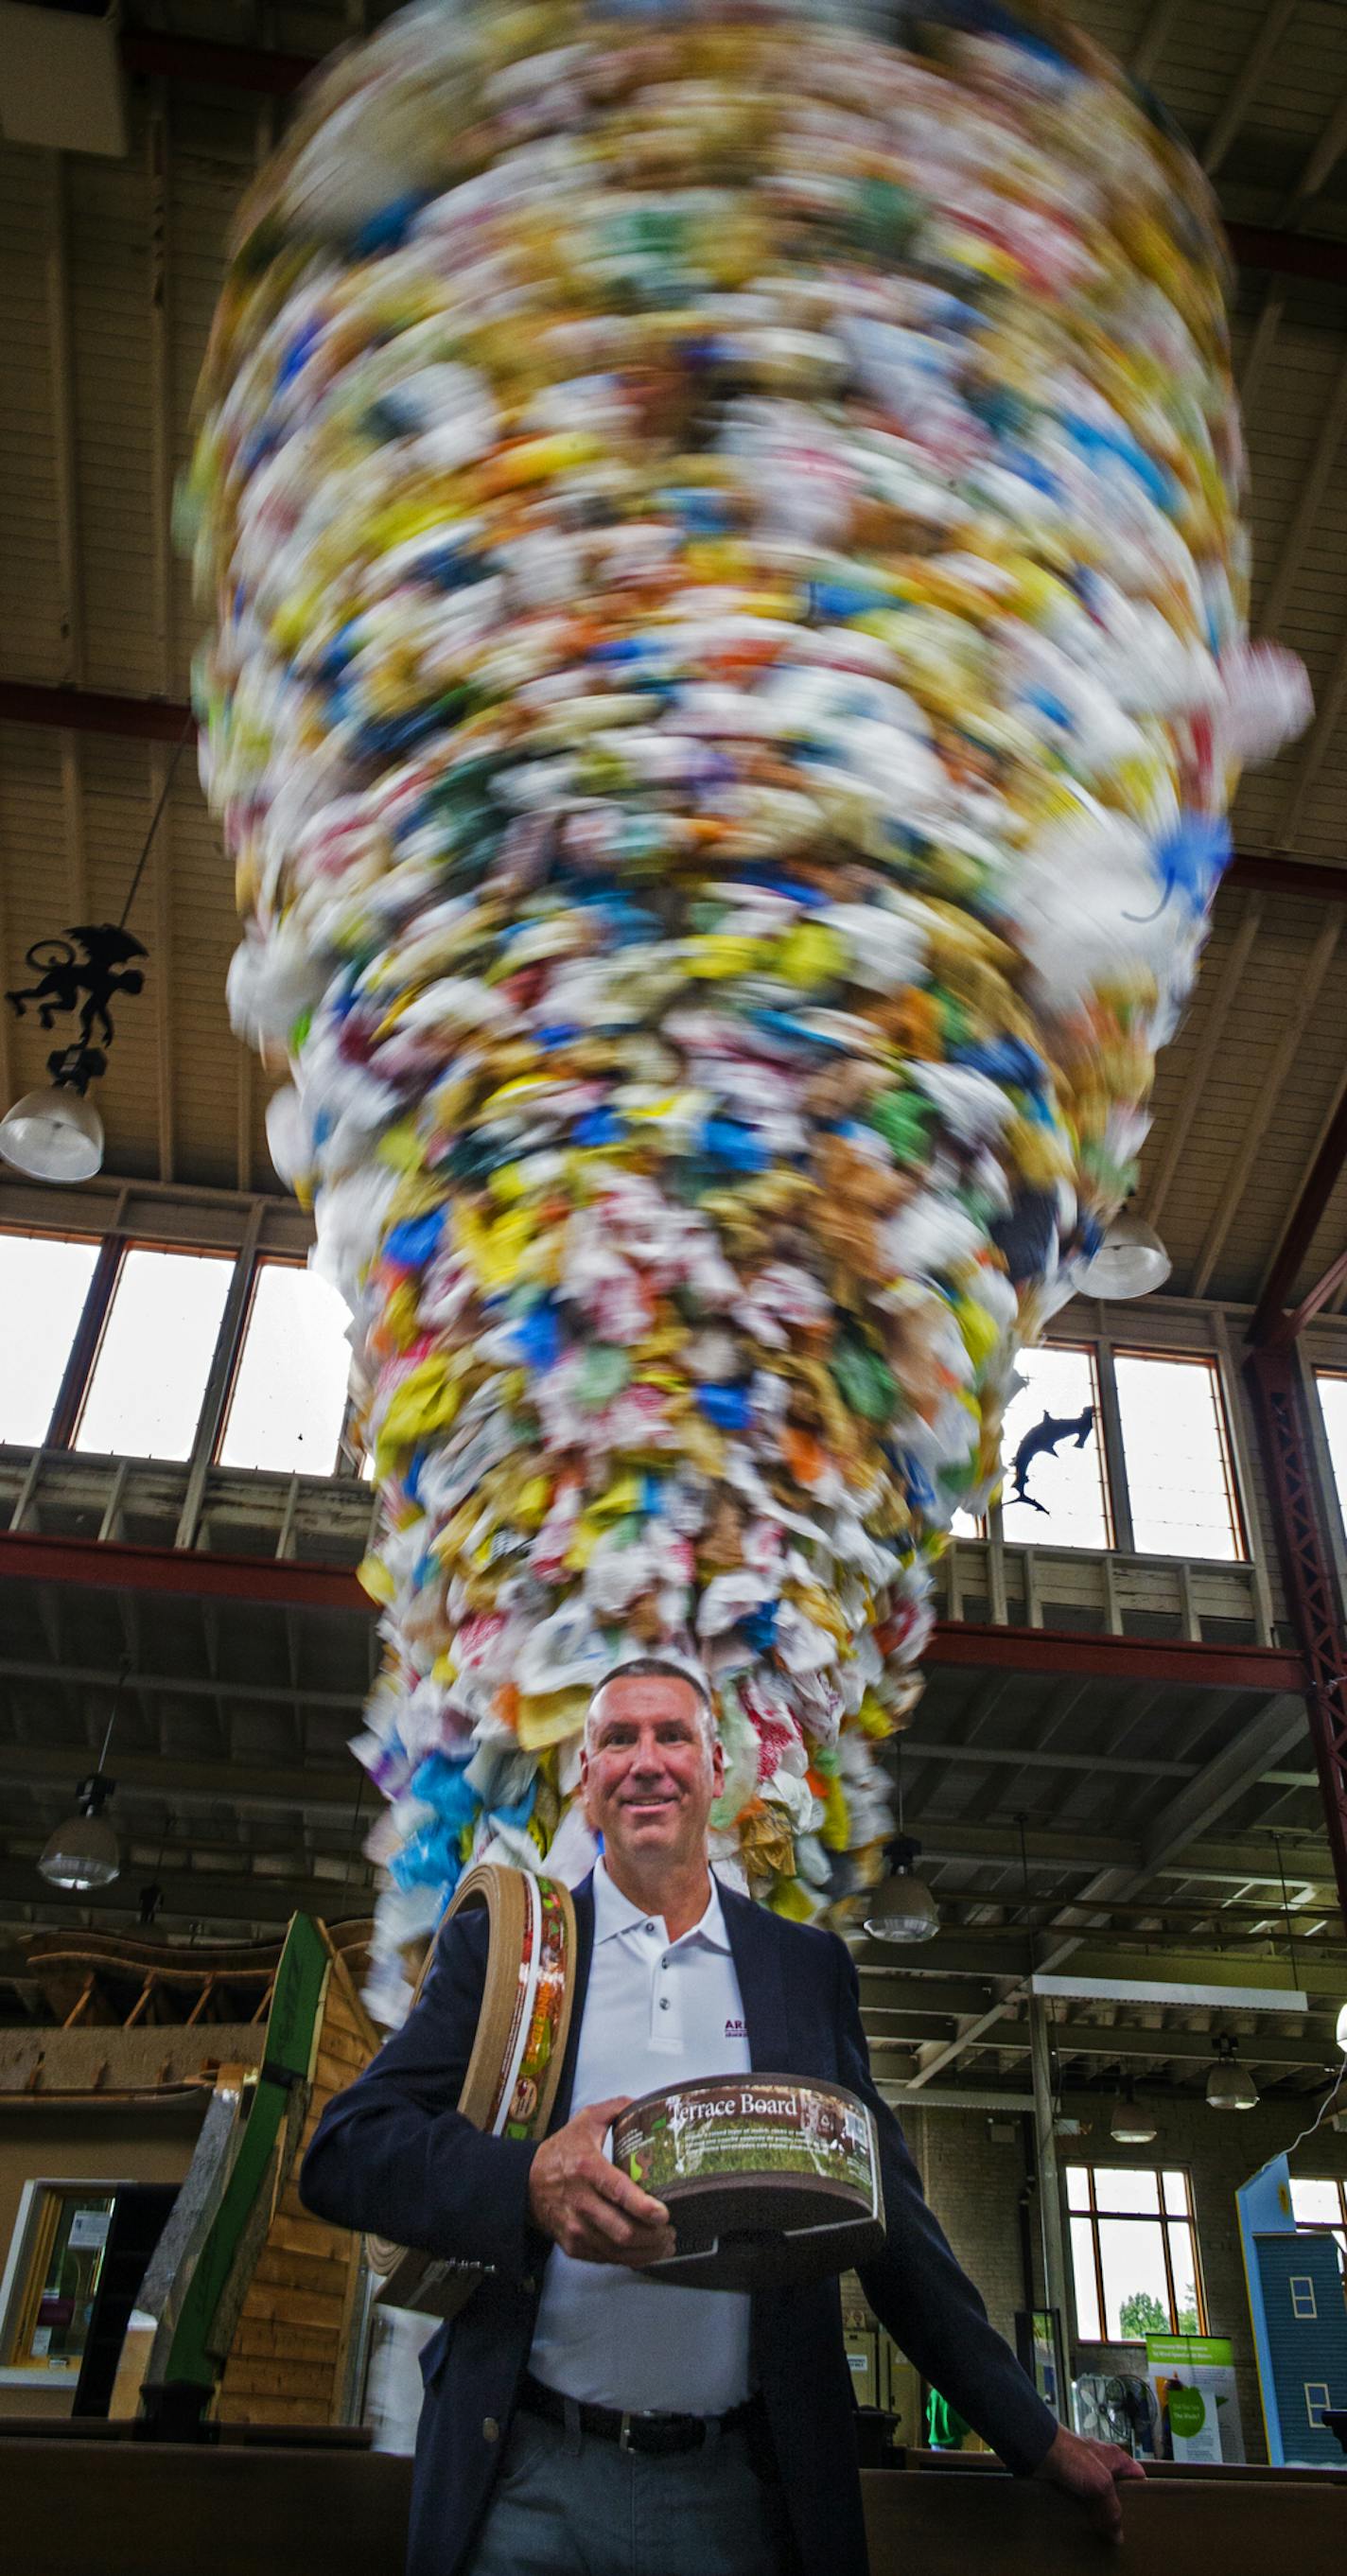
(394,2155)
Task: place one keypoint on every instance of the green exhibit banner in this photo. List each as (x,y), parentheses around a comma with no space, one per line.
(1170,2352)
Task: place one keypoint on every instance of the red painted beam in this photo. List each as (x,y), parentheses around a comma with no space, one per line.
(165,720)
(185,58)
(1263,872)
(1310,1578)
(1270,1324)
(1110,1658)
(110,1565)
(1285,254)
(93,711)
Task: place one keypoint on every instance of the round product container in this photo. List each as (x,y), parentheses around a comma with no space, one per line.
(768,2179)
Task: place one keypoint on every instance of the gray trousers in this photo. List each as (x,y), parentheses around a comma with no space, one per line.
(566,2504)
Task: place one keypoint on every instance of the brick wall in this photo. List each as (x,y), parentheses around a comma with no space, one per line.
(975,2185)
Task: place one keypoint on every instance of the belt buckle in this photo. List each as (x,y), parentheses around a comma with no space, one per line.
(624,2440)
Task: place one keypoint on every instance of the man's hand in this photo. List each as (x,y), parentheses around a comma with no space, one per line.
(590,2209)
(1092,2472)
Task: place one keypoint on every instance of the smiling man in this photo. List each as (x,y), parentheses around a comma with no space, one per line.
(582,2421)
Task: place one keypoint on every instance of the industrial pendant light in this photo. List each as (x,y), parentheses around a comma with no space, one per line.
(56,1134)
(1230,2086)
(902,1907)
(1130,1262)
(1131,2125)
(84,1851)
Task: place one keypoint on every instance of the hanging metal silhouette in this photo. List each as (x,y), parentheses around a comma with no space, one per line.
(1044,1441)
(85,984)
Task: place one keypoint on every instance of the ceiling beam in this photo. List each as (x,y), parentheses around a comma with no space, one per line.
(1246,84)
(40,1557)
(94,711)
(189,1896)
(1235,1769)
(1270,1322)
(1217,1002)
(1263,871)
(314,1788)
(143,1685)
(1133,2041)
(1234,1183)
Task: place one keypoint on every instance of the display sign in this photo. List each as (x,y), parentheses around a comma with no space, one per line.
(88,2227)
(1194,2381)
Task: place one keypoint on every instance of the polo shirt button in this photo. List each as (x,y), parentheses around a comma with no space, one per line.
(664,2003)
(490,2429)
(650,1927)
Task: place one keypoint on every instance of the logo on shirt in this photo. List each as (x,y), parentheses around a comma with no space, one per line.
(736,2030)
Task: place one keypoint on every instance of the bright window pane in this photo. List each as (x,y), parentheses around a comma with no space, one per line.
(57,2301)
(289,1398)
(43,1284)
(1178,1468)
(1064,1485)
(150,1375)
(1176,2190)
(1088,2324)
(1316,2204)
(1078,2186)
(1333,1406)
(1183,2260)
(1136,2292)
(1119,2187)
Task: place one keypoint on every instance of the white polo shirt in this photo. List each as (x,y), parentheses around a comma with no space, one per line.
(657,2012)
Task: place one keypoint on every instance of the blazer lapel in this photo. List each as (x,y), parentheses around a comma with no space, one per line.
(757,1959)
(582,1897)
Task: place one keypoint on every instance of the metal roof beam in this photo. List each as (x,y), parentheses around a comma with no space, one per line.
(1270,1323)
(1270,1091)
(1133,2041)
(1214,1791)
(189,1896)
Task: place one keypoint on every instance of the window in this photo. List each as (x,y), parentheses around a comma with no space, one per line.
(1317,2401)
(1175,1442)
(1133,2253)
(289,1398)
(60,2246)
(1319,2207)
(44,1280)
(149,1378)
(1332,1392)
(1303,2300)
(1067,1503)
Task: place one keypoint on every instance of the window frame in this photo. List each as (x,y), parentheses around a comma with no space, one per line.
(346,1463)
(93,1303)
(27,2256)
(1161,2218)
(1334,2227)
(229,1257)
(1240,1516)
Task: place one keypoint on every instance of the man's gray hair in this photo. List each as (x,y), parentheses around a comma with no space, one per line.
(673,1668)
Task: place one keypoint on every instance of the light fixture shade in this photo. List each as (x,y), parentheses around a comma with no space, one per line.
(1230,2087)
(1131,1260)
(1340,2034)
(902,1907)
(53,1135)
(1132,2125)
(84,1851)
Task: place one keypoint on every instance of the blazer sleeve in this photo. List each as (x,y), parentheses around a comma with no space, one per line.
(919,2291)
(394,2155)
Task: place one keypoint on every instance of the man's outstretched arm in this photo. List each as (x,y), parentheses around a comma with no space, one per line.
(933,2311)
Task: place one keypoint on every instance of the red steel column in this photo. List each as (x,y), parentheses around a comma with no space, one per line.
(1310,1579)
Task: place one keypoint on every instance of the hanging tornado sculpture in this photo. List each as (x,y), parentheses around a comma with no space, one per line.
(722,532)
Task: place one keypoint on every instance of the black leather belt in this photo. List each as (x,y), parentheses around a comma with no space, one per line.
(657,2435)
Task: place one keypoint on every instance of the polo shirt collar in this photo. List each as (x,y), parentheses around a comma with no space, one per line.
(614,1913)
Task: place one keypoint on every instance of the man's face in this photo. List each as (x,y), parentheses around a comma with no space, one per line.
(648,1775)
